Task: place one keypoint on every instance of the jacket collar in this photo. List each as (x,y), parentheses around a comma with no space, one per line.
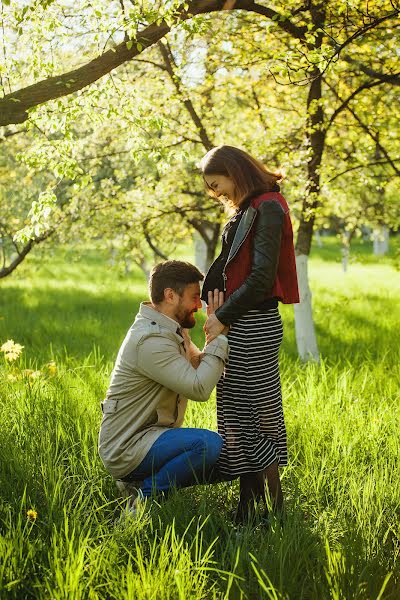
(148,312)
(242,231)
(247,219)
(256,194)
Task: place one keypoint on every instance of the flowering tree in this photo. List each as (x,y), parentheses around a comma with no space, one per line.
(338,60)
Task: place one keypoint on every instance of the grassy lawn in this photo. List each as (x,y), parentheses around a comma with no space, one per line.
(341,540)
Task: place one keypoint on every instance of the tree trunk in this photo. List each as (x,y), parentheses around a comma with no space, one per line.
(304,324)
(205,242)
(200,252)
(305,331)
(318,239)
(14,106)
(346,238)
(380,237)
(19,256)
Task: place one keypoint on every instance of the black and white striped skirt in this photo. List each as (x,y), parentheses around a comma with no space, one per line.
(249,400)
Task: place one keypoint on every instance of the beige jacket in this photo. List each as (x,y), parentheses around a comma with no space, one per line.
(150,384)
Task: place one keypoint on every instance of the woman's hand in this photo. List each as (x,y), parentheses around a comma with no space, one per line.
(213,326)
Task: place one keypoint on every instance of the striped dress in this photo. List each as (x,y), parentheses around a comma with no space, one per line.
(249,401)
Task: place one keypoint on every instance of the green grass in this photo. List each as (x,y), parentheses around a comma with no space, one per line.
(341,540)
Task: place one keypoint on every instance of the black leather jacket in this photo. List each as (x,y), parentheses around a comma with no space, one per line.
(268,225)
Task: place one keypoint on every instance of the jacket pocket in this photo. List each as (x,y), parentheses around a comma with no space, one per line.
(109,407)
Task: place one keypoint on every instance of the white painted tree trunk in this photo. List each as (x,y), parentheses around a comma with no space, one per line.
(304,324)
(345,258)
(345,251)
(366,233)
(380,238)
(318,239)
(127,265)
(200,252)
(113,256)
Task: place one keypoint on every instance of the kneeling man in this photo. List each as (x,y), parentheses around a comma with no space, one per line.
(157,369)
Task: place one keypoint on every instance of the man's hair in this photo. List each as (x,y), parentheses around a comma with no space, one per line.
(174,274)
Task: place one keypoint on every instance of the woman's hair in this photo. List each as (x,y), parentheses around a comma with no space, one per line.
(174,274)
(248,174)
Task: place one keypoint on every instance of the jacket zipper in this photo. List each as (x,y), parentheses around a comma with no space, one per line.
(237,250)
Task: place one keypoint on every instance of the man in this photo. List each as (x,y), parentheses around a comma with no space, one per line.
(157,369)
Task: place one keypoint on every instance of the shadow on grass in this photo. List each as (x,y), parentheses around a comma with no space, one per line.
(302,560)
(202,517)
(361,251)
(71,322)
(346,332)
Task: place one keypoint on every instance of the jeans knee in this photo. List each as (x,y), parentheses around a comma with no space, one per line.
(214,444)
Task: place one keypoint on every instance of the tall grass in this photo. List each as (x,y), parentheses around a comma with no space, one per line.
(341,538)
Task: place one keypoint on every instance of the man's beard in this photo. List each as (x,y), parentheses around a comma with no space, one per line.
(185,318)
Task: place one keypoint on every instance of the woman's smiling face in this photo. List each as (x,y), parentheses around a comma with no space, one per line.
(221,185)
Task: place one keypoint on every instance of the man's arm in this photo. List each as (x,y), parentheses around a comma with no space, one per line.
(193,353)
(158,358)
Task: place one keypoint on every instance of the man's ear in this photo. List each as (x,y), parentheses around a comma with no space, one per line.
(169,295)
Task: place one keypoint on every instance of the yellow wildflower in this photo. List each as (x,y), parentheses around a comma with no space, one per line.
(31,373)
(12,377)
(11,350)
(31,514)
(52,367)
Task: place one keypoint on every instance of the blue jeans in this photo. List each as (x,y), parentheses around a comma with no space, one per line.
(179,457)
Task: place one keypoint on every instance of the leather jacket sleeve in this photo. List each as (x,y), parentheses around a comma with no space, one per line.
(266,249)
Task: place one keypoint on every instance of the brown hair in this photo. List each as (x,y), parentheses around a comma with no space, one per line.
(174,274)
(248,174)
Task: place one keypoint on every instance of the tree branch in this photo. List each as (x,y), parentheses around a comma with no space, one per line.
(22,254)
(200,227)
(282,21)
(148,239)
(8,134)
(365,86)
(393,78)
(363,166)
(170,66)
(367,130)
(360,32)
(14,107)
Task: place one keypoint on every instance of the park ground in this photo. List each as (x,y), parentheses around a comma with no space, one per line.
(60,533)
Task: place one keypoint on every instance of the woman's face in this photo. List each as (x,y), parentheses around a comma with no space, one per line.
(222,185)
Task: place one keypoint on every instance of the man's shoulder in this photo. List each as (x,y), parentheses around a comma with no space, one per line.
(144,329)
(147,336)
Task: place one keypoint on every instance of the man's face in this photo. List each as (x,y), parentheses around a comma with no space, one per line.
(187,305)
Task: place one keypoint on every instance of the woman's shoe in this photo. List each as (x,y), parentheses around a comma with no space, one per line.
(244,517)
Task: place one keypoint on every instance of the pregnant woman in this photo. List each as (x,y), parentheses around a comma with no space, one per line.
(256,269)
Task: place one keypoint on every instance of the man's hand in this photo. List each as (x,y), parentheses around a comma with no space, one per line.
(193,354)
(213,326)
